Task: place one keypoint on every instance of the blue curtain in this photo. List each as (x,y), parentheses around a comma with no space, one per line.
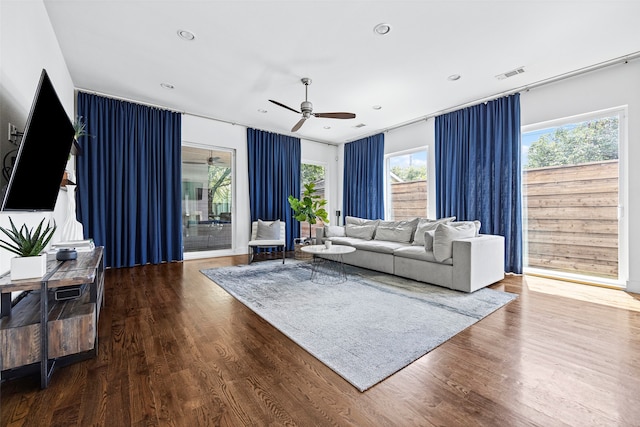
(477,152)
(274,175)
(363,193)
(129,181)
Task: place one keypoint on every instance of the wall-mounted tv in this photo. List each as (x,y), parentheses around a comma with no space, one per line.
(42,157)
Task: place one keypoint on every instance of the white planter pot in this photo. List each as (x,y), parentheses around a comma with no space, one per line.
(31,267)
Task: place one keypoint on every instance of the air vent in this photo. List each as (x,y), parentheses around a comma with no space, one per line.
(511,73)
(360,125)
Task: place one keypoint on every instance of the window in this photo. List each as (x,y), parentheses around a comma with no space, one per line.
(316,174)
(207,199)
(571,194)
(406,189)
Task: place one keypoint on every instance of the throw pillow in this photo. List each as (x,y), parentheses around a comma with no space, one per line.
(268,230)
(425,224)
(333,231)
(360,221)
(428,240)
(396,231)
(444,236)
(476,223)
(360,231)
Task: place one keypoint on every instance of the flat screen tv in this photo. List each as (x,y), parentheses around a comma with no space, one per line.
(43,153)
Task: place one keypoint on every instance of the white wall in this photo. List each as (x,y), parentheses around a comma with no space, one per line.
(613,86)
(27,45)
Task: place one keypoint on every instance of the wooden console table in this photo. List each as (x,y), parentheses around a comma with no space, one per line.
(39,332)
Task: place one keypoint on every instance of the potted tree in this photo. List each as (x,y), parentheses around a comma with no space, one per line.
(310,207)
(28,245)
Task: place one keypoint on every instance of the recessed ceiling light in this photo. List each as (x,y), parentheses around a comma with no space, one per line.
(327,127)
(454,77)
(382,29)
(377,107)
(167,86)
(262,110)
(186,35)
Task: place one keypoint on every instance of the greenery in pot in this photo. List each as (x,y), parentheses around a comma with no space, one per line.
(79,128)
(310,207)
(25,242)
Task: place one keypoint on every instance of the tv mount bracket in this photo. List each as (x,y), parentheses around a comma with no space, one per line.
(14,134)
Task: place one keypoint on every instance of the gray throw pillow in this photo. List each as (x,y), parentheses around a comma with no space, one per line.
(444,236)
(268,230)
(425,224)
(428,240)
(396,231)
(333,231)
(360,231)
(352,220)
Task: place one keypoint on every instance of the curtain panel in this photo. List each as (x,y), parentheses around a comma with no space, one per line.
(274,175)
(129,181)
(478,171)
(363,193)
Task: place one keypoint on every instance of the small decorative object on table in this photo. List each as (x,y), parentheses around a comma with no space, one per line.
(28,245)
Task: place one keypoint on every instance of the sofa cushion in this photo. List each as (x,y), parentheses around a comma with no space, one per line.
(425,224)
(268,230)
(418,253)
(334,231)
(360,221)
(381,246)
(360,231)
(444,236)
(347,241)
(428,240)
(396,231)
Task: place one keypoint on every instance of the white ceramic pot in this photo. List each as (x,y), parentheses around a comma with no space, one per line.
(327,244)
(29,267)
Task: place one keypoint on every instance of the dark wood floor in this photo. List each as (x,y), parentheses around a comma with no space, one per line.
(177,350)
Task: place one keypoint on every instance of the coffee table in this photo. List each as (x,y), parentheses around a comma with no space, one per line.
(329,270)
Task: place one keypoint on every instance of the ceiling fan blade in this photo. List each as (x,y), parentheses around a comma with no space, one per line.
(298,125)
(335,115)
(284,106)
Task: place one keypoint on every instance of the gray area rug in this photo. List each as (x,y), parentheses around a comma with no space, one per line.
(365,329)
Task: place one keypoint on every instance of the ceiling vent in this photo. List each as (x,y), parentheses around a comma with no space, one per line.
(511,73)
(360,125)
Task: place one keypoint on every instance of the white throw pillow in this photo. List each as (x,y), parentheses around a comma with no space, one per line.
(352,220)
(425,224)
(428,240)
(268,230)
(360,231)
(396,231)
(333,231)
(476,223)
(444,236)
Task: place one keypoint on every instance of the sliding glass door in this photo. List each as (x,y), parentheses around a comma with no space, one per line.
(207,199)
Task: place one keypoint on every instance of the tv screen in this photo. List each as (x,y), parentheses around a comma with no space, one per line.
(42,157)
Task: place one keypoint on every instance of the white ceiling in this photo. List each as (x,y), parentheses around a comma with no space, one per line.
(247,52)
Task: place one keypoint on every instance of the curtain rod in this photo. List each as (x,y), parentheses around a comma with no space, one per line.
(619,60)
(202,116)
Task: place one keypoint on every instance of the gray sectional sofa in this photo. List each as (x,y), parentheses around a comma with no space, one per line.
(441,252)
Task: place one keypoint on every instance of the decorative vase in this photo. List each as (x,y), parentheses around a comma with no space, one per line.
(28,267)
(71,229)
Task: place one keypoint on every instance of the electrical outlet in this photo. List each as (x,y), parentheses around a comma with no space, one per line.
(13,130)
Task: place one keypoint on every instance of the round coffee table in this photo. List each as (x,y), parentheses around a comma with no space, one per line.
(328,270)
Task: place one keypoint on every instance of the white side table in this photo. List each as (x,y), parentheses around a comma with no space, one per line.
(329,270)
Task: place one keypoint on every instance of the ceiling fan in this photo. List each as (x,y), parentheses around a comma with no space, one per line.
(307,109)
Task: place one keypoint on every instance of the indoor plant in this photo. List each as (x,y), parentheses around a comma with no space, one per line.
(28,245)
(310,207)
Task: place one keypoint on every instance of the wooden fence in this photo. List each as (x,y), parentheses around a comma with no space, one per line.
(571,218)
(409,199)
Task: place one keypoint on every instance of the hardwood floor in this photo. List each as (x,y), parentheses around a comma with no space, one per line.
(177,350)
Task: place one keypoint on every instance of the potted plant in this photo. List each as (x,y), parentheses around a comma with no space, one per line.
(310,207)
(28,245)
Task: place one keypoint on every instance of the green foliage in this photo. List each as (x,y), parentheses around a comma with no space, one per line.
(590,141)
(310,207)
(410,173)
(25,242)
(311,173)
(80,128)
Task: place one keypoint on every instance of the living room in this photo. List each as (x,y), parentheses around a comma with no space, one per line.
(29,44)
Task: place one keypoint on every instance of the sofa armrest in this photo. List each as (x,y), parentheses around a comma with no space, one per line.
(477,262)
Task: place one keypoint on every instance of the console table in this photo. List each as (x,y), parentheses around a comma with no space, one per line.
(40,333)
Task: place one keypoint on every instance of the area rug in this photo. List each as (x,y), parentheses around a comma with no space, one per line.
(364,329)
